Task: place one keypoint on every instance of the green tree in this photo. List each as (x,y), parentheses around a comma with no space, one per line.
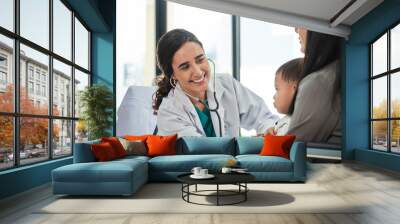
(97,103)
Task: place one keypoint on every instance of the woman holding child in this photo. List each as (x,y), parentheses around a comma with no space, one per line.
(317,105)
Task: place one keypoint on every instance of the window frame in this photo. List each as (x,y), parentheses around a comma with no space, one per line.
(16,115)
(388,74)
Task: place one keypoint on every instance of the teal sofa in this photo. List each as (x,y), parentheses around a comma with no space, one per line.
(125,176)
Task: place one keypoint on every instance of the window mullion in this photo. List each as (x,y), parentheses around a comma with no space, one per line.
(389,113)
(73,82)
(50,81)
(16,84)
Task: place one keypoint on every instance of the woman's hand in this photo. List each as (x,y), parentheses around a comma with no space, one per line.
(270,131)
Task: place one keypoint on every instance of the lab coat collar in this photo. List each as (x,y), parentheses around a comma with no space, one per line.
(188,105)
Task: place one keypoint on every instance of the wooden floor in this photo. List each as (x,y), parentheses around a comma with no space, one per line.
(377,188)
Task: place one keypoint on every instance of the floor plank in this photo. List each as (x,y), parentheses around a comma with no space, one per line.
(377,190)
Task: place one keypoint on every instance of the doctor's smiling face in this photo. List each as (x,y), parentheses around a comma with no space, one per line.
(191,69)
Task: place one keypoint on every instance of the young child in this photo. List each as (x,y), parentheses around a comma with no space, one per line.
(287,78)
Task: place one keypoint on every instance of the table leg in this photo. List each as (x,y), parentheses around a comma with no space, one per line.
(245,191)
(217,194)
(196,188)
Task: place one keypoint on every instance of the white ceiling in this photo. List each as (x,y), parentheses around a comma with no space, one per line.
(317,15)
(320,9)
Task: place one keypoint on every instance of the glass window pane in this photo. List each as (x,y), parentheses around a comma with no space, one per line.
(7,14)
(34,97)
(379,98)
(395,95)
(379,55)
(257,68)
(33,140)
(81,45)
(216,38)
(62,138)
(395,136)
(395,47)
(135,67)
(62,29)
(6,142)
(35,21)
(81,131)
(62,89)
(81,81)
(379,135)
(6,74)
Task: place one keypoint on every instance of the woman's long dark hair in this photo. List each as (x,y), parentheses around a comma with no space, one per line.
(321,50)
(167,46)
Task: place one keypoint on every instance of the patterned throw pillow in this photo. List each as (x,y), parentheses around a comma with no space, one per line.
(134,147)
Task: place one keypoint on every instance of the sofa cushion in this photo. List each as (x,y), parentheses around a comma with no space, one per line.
(83,152)
(206,145)
(111,171)
(249,145)
(257,163)
(185,163)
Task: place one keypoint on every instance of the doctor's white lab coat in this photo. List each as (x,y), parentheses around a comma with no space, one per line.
(238,107)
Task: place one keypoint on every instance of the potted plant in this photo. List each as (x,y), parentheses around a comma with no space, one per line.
(97,105)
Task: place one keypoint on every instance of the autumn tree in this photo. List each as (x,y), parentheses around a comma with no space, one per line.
(33,131)
(380,127)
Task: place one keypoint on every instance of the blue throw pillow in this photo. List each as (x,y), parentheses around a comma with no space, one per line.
(206,145)
(249,145)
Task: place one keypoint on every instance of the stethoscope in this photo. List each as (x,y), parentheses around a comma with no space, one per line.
(205,103)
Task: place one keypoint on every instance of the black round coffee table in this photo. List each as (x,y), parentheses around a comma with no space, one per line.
(238,179)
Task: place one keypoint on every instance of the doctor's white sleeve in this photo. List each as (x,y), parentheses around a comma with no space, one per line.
(253,112)
(171,122)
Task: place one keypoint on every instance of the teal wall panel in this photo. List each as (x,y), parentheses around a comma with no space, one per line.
(356,85)
(24,178)
(102,59)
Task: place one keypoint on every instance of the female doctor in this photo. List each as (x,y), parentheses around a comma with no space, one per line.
(190,102)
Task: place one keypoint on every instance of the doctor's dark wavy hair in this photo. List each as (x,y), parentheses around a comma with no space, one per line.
(167,46)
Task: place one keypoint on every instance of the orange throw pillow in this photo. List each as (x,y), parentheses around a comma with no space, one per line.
(116,145)
(103,152)
(161,145)
(277,145)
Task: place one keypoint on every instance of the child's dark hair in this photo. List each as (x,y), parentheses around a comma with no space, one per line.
(291,71)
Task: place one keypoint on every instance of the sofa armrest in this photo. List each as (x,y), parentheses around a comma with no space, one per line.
(298,157)
(83,152)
